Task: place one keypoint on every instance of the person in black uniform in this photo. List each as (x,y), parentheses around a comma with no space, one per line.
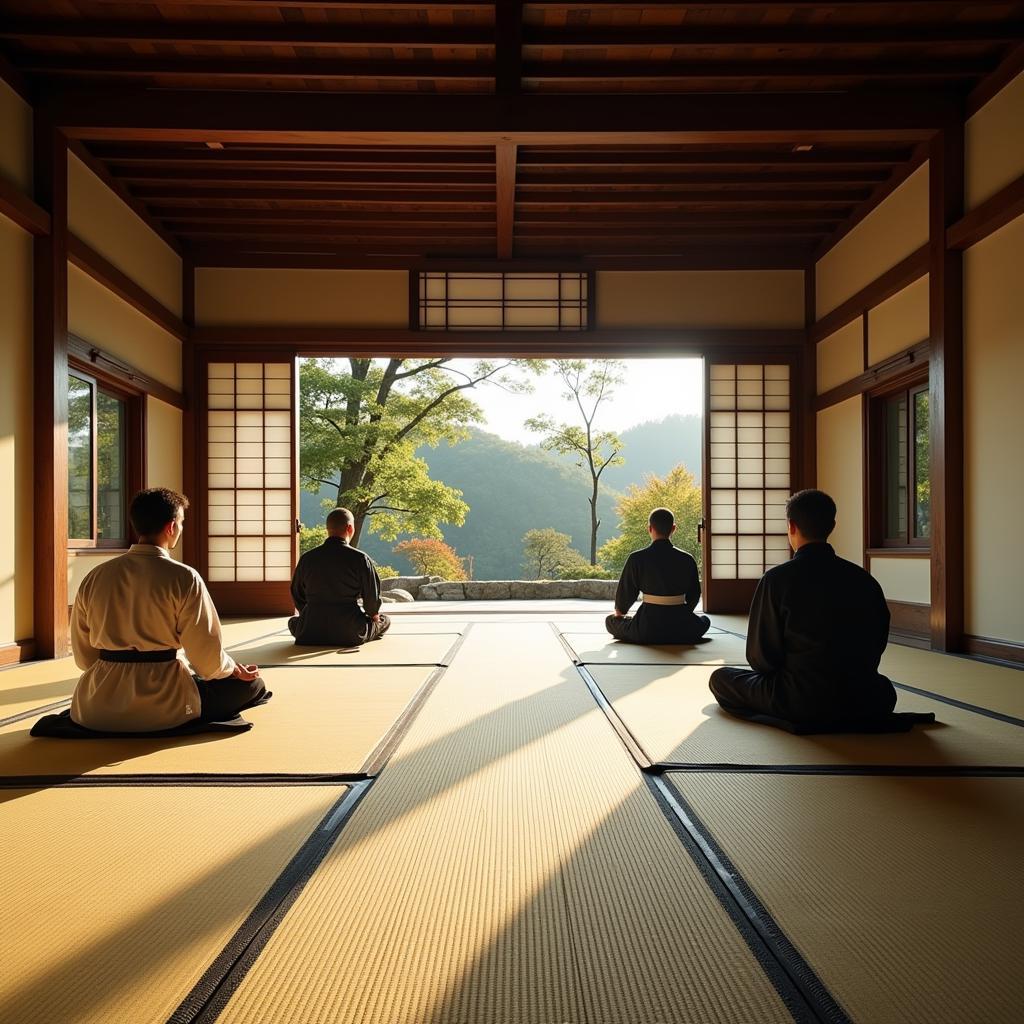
(670,584)
(329,582)
(818,627)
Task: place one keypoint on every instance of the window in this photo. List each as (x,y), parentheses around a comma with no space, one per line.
(504,302)
(99,462)
(901,505)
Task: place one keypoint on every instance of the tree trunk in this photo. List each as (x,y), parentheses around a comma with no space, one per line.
(594,524)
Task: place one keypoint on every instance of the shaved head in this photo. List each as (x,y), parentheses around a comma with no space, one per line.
(339,522)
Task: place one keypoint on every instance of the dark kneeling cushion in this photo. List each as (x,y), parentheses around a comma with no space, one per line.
(896,721)
(61,727)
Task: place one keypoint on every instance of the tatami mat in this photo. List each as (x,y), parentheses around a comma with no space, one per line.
(509,867)
(239,631)
(674,718)
(115,901)
(903,894)
(720,649)
(320,720)
(36,684)
(411,649)
(410,625)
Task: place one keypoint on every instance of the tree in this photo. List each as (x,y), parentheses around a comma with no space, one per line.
(677,491)
(360,427)
(549,554)
(432,557)
(587,385)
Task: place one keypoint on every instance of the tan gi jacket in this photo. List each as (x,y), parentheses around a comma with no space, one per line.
(146,601)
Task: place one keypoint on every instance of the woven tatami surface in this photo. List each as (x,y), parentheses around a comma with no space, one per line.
(903,894)
(115,900)
(718,649)
(508,866)
(674,718)
(320,720)
(398,649)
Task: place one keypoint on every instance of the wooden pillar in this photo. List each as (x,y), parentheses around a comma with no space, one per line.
(809,389)
(946,390)
(50,397)
(189,468)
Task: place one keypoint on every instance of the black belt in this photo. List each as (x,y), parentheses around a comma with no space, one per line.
(133,657)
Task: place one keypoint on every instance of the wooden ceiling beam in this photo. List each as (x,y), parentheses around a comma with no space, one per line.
(484,180)
(825,159)
(505,197)
(314,198)
(285,157)
(165,115)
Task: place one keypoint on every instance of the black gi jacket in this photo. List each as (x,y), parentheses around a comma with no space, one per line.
(663,570)
(818,627)
(328,582)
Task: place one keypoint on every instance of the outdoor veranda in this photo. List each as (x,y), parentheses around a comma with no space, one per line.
(496,814)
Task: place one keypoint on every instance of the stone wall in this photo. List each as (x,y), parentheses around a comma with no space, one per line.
(517,590)
(410,584)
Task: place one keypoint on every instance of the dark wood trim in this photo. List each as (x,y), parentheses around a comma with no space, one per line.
(809,390)
(105,273)
(997,650)
(16,653)
(908,618)
(17,206)
(414,300)
(505,195)
(190,474)
(989,216)
(508,47)
(188,293)
(50,394)
(118,188)
(1011,66)
(537,344)
(914,552)
(879,196)
(266,598)
(946,400)
(894,280)
(114,370)
(893,371)
(865,360)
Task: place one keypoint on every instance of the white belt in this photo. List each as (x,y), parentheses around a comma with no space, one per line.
(658,599)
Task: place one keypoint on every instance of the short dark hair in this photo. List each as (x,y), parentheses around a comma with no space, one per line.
(813,513)
(339,520)
(662,520)
(151,510)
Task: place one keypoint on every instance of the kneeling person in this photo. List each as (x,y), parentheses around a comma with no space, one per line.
(818,627)
(134,616)
(670,584)
(329,583)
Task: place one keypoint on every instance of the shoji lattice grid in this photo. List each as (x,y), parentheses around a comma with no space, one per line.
(749,469)
(249,472)
(503,302)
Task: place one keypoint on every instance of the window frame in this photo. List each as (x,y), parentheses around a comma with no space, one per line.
(908,387)
(134,428)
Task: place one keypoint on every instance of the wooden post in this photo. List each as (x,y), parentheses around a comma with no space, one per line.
(189,467)
(809,391)
(946,391)
(50,393)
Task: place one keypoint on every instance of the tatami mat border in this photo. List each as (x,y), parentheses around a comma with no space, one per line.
(963,705)
(211,993)
(188,779)
(970,771)
(804,993)
(32,712)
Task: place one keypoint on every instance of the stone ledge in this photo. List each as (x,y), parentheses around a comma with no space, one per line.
(410,584)
(517,590)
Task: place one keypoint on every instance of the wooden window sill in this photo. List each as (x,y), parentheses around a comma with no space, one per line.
(901,552)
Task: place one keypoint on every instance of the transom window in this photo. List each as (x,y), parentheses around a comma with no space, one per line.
(98,455)
(504,302)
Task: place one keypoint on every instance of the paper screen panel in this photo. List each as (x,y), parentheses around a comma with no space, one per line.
(749,468)
(249,452)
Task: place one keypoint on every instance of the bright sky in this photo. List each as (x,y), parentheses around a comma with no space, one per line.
(654,389)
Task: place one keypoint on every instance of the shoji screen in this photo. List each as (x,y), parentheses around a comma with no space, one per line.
(749,462)
(250,475)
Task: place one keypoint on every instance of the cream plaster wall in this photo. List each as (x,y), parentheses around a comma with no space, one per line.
(99,316)
(334,298)
(994,140)
(841,356)
(163,445)
(15,139)
(105,222)
(16,489)
(701,298)
(841,474)
(890,233)
(904,579)
(899,322)
(993,428)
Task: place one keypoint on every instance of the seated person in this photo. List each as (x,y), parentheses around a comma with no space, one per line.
(329,582)
(818,627)
(671,588)
(132,618)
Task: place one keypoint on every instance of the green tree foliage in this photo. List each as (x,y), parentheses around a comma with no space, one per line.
(587,386)
(549,555)
(677,491)
(361,421)
(432,557)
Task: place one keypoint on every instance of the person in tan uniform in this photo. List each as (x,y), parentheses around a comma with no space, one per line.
(135,621)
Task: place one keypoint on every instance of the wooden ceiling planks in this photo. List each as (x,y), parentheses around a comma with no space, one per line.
(600,165)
